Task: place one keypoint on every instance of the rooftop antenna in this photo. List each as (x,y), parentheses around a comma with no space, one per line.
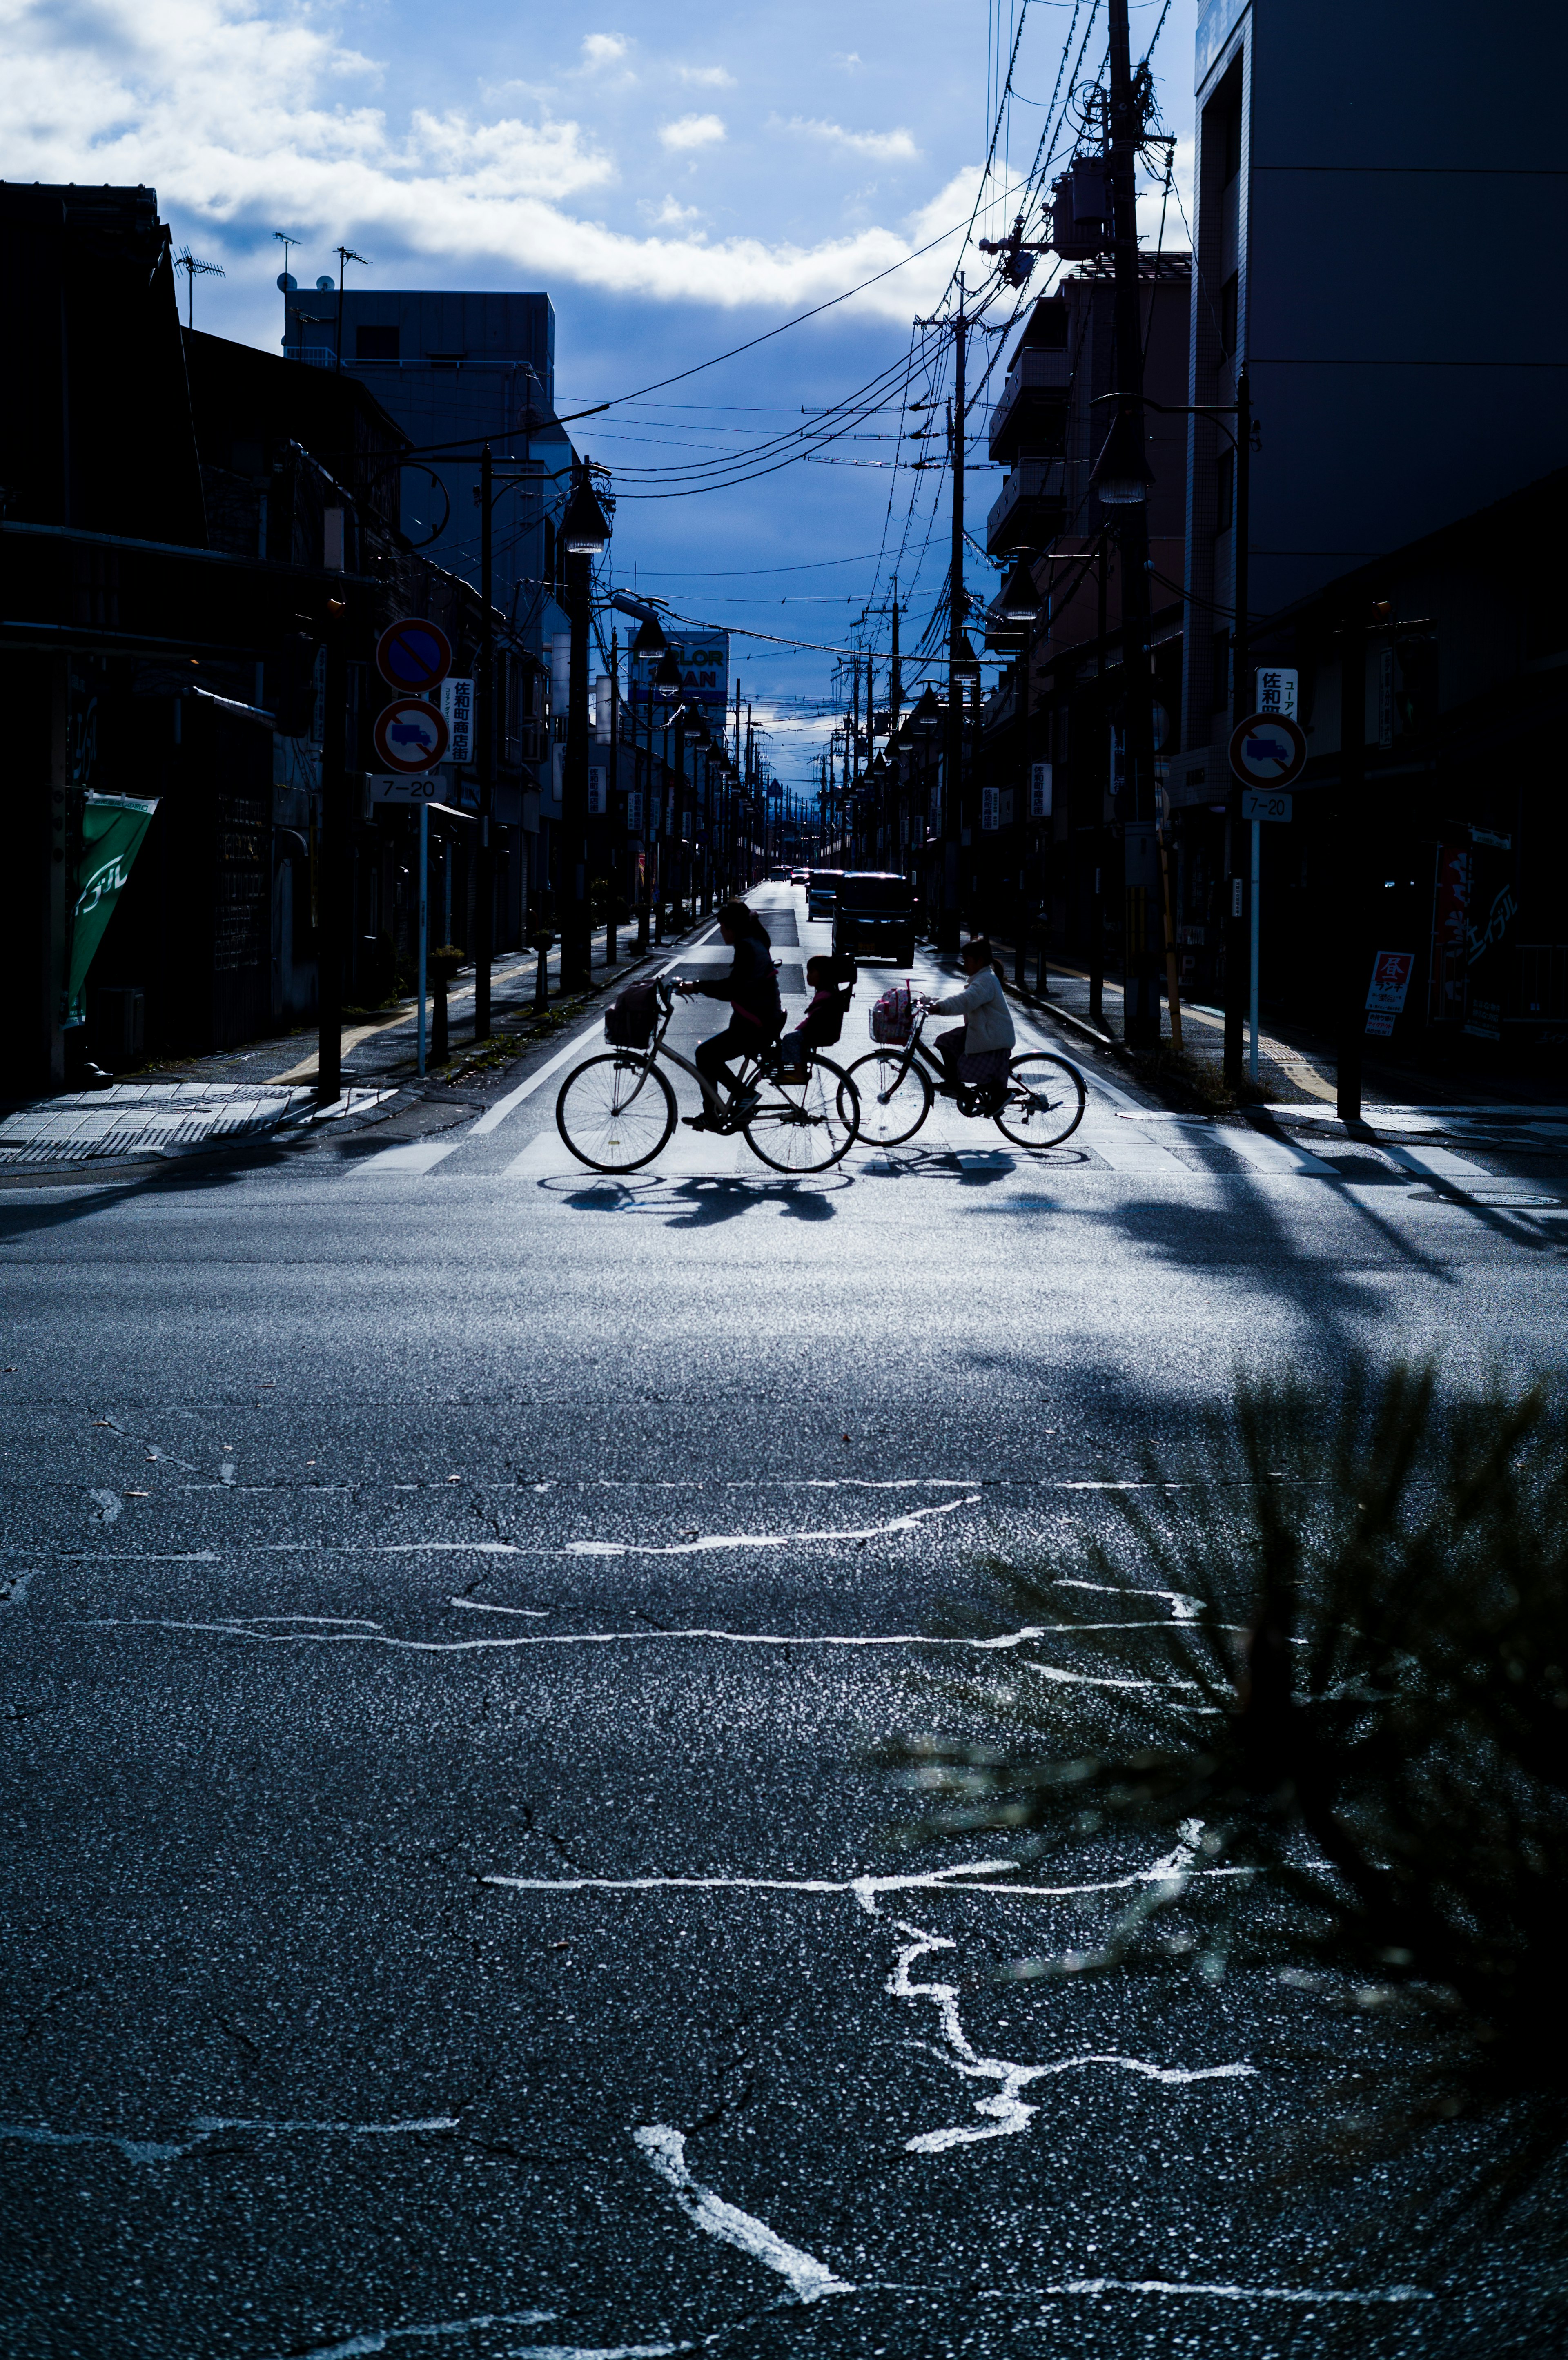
(185,260)
(286,284)
(346,255)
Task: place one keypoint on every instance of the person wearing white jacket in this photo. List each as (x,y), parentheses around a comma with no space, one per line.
(977,1051)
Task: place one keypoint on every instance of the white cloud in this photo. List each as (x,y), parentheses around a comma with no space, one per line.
(709,77)
(887,146)
(603,49)
(241,120)
(691,131)
(847,59)
(669,216)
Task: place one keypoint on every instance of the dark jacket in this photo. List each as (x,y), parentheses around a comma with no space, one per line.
(751,986)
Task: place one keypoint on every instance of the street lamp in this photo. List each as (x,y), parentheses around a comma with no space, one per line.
(1122,475)
(1018,600)
(584,532)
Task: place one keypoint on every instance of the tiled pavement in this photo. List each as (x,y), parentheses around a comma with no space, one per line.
(146,1119)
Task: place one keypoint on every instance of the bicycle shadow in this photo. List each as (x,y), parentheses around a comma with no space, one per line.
(703,1200)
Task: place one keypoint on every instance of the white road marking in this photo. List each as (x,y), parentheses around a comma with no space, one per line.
(765,1540)
(1440,1162)
(1139,1158)
(1007,2109)
(496,1115)
(865,1888)
(206,2127)
(377,2339)
(1231,2293)
(411,1161)
(1274,1156)
(809,2279)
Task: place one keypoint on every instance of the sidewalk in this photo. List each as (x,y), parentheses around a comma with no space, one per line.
(1288,1070)
(262,1091)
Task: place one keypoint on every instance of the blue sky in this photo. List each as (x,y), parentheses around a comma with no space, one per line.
(678,181)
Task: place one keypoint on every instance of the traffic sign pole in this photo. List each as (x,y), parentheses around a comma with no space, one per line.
(1252,971)
(424,921)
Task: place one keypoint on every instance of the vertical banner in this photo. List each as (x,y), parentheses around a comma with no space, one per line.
(113,827)
(457,698)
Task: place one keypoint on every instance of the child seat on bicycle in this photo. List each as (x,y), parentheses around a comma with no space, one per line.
(832,979)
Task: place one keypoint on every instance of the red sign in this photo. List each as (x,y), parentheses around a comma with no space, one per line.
(411,734)
(1385,992)
(413,655)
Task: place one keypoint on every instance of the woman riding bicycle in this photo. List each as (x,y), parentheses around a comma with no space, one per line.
(976,1051)
(757,1016)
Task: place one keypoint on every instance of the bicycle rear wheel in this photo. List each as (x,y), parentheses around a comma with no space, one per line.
(806,1126)
(616,1112)
(1045,1100)
(908,1098)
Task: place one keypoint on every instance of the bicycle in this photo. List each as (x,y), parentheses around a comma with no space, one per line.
(616,1111)
(1040,1103)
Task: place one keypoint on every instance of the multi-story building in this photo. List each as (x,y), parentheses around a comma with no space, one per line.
(1376,245)
(1048,425)
(456,369)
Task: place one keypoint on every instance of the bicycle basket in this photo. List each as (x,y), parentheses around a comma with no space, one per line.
(631,1016)
(893,1016)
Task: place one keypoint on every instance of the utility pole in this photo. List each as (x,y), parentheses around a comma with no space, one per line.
(1237,948)
(1352,784)
(1140,1003)
(332,912)
(952,800)
(484,687)
(614,809)
(895,673)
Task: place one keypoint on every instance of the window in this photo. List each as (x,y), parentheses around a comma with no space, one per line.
(375,343)
(1228,315)
(1230,145)
(1224,492)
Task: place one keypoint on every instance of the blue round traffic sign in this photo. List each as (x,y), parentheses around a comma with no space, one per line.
(413,654)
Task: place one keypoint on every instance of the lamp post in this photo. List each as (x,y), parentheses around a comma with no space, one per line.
(649,645)
(585,534)
(1019,603)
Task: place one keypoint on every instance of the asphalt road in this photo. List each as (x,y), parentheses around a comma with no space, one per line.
(448,1599)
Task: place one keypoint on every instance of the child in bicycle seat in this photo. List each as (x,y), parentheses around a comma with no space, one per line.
(819,1024)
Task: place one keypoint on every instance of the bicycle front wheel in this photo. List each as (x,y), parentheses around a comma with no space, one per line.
(807,1126)
(1044,1103)
(893,1105)
(616,1112)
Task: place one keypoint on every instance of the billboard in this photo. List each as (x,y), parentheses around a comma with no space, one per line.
(704,663)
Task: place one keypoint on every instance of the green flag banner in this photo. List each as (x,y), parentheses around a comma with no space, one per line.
(113,827)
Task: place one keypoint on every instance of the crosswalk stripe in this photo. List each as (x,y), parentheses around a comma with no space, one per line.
(1440,1163)
(1268,1154)
(411,1161)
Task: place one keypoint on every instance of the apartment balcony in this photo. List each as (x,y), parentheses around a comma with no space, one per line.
(1031,413)
(1031,509)
(313,355)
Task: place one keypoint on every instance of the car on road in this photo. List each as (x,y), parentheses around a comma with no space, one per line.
(778,877)
(799,877)
(821,891)
(874,916)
